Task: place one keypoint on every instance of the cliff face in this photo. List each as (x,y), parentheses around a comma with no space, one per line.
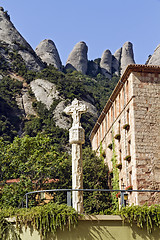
(117,63)
(155,58)
(14,41)
(106,63)
(77,59)
(109,64)
(42,95)
(48,53)
(127,56)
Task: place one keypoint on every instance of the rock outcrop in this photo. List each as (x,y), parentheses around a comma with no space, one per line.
(106,63)
(10,36)
(48,53)
(127,56)
(24,102)
(92,68)
(77,59)
(117,63)
(44,91)
(116,59)
(155,58)
(63,121)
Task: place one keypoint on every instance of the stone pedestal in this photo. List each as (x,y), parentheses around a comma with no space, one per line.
(77,138)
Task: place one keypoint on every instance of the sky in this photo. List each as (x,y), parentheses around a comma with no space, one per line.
(101,24)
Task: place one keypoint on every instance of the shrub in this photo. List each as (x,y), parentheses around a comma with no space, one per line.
(117,136)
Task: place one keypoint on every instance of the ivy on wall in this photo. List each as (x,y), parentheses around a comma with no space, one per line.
(115,179)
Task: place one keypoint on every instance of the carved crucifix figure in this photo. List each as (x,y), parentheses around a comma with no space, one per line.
(76,109)
(76,138)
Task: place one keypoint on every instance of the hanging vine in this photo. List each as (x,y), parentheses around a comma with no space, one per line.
(142,216)
(45,219)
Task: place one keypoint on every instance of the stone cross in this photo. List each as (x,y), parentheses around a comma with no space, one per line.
(76,138)
(76,109)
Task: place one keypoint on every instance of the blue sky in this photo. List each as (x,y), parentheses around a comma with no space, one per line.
(103,24)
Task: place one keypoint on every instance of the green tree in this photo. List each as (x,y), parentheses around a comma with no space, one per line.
(34,159)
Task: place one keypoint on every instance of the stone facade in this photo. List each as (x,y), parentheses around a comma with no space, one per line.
(130,121)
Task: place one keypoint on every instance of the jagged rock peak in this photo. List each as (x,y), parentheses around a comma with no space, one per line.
(10,36)
(116,58)
(127,56)
(47,51)
(78,59)
(155,58)
(106,63)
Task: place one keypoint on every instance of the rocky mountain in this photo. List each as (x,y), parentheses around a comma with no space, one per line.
(127,56)
(48,53)
(35,87)
(44,91)
(155,58)
(117,63)
(78,59)
(12,40)
(108,65)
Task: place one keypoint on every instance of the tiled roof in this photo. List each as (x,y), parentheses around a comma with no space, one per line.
(16,180)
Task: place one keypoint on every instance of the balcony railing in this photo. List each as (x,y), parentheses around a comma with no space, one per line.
(69,191)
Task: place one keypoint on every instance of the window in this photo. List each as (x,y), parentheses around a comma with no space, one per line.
(120,156)
(42,195)
(106,123)
(129,147)
(119,103)
(115,106)
(130,178)
(127,92)
(119,126)
(128,120)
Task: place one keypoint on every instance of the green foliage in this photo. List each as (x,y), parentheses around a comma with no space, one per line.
(45,219)
(76,85)
(110,146)
(117,136)
(7,229)
(95,177)
(9,119)
(19,67)
(115,179)
(34,159)
(46,124)
(143,216)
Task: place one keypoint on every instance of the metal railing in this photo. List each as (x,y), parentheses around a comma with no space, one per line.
(68,191)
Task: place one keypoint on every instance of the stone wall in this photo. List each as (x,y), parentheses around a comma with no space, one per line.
(135,101)
(146,88)
(97,228)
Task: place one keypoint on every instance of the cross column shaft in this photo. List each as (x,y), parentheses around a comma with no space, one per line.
(77,177)
(77,138)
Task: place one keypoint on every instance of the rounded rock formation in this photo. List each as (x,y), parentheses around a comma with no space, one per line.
(106,63)
(155,58)
(127,56)
(48,53)
(11,37)
(116,61)
(77,59)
